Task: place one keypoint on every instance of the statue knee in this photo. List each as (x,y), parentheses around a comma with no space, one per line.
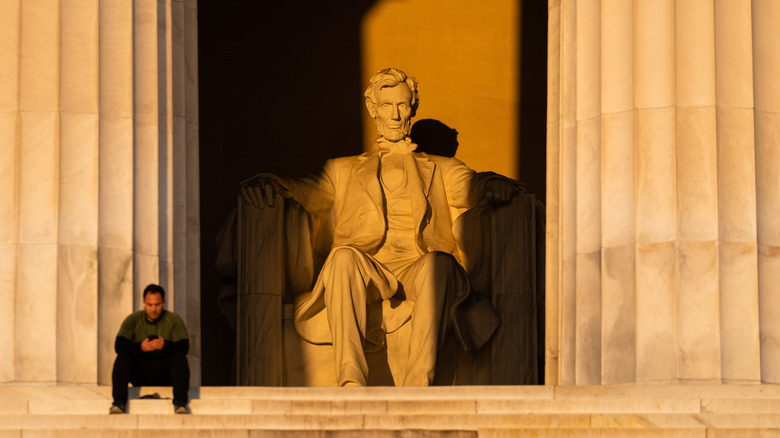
(439,276)
(440,262)
(341,265)
(343,258)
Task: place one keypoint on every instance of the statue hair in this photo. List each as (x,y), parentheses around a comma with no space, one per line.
(390,77)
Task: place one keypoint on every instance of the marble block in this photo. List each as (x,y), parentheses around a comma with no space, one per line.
(77,319)
(766,56)
(618,197)
(79,61)
(698,309)
(697,173)
(694,53)
(8,176)
(654,51)
(656,314)
(618,315)
(656,186)
(739,312)
(78,179)
(7,313)
(35,328)
(38,183)
(9,54)
(39,70)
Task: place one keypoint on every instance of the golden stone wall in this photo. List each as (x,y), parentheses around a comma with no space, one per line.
(466,56)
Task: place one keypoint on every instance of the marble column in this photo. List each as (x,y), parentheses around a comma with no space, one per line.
(98,178)
(663,152)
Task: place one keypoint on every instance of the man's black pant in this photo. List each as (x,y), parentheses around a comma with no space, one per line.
(172,370)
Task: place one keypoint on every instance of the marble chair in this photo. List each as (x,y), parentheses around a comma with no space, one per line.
(279,250)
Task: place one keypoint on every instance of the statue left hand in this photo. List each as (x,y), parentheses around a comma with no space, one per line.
(499,190)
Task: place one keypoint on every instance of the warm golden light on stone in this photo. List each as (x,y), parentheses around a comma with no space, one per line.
(466,56)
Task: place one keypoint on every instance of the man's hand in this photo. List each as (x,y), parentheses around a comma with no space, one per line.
(499,190)
(148,345)
(261,192)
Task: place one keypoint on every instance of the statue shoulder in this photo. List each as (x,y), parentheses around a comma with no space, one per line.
(340,164)
(342,161)
(443,161)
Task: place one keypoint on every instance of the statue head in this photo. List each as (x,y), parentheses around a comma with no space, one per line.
(392,100)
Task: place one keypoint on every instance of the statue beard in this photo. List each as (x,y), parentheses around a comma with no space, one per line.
(393,134)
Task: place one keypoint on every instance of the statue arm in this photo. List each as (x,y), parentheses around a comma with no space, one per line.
(315,192)
(467,188)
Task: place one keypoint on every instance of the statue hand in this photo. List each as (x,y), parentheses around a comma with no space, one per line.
(499,190)
(263,193)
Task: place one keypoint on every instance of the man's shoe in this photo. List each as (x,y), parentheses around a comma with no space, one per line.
(180,409)
(117,409)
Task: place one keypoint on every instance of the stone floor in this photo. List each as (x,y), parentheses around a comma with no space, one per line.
(471,411)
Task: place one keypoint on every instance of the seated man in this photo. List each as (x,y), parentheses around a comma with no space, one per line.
(394,258)
(151,348)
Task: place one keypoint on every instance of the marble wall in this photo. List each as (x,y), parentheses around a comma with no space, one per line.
(98,178)
(663,162)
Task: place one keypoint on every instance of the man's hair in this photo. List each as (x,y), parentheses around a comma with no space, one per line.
(154,289)
(390,77)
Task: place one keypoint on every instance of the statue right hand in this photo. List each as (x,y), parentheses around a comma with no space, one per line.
(262,193)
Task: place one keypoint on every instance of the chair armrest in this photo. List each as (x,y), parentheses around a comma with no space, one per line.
(514,290)
(499,250)
(260,242)
(260,255)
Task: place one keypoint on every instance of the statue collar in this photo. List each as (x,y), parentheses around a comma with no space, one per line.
(386,147)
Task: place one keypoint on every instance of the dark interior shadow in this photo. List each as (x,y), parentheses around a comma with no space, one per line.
(532,132)
(277,87)
(435,138)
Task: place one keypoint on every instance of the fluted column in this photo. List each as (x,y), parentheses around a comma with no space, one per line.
(766,90)
(618,227)
(663,192)
(115,184)
(9,129)
(697,192)
(88,191)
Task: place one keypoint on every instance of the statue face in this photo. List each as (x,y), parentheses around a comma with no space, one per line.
(393,112)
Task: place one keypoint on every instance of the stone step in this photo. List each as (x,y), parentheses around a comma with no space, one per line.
(399,406)
(360,433)
(701,411)
(396,407)
(92,392)
(486,433)
(389,422)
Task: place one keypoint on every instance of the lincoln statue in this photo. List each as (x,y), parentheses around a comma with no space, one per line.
(394,259)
